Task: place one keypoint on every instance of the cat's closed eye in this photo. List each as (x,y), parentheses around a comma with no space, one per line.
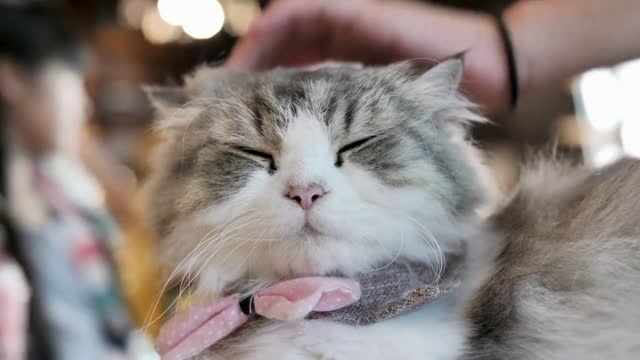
(261,155)
(349,147)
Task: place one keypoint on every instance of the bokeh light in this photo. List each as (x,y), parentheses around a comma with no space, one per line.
(630,136)
(200,19)
(605,155)
(629,74)
(173,11)
(608,100)
(204,18)
(600,91)
(131,12)
(156,30)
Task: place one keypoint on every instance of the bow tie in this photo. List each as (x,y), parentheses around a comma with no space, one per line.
(194,330)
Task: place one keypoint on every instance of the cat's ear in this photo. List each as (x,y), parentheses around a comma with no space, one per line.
(439,87)
(169,103)
(444,77)
(441,80)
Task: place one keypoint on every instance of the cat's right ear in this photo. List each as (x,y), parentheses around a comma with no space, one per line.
(170,105)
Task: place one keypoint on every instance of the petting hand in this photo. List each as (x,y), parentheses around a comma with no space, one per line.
(299,32)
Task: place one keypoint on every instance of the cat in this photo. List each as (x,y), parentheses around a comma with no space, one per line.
(344,169)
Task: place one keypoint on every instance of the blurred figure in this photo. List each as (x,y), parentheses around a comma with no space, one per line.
(63,230)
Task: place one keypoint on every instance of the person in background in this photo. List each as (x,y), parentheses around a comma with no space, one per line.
(551,40)
(57,208)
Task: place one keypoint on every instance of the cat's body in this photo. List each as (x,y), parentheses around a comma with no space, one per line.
(565,281)
(345,169)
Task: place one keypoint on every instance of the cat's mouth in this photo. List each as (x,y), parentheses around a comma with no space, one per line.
(310,226)
(308,230)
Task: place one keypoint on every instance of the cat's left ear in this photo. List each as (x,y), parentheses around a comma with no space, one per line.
(169,103)
(439,87)
(444,78)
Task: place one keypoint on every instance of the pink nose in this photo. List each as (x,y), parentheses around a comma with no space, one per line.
(305,196)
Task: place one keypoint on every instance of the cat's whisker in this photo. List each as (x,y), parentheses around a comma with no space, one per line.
(148,322)
(395,258)
(208,243)
(188,258)
(217,242)
(223,240)
(202,248)
(208,260)
(256,244)
(439,263)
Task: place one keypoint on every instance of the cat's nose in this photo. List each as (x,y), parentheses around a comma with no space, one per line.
(305,196)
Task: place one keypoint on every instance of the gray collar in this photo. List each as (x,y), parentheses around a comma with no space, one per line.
(396,289)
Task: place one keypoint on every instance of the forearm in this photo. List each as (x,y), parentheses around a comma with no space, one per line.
(555,39)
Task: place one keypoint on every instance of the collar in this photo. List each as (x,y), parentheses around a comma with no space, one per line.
(396,289)
(368,298)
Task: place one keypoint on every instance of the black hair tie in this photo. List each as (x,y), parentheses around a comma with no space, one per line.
(511,60)
(247,306)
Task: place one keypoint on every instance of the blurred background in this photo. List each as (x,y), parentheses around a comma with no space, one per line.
(76,140)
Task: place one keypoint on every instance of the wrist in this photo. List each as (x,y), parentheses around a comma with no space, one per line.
(487,68)
(513,18)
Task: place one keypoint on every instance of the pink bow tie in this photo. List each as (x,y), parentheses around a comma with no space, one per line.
(194,330)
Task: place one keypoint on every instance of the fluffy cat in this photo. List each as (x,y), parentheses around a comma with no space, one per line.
(344,169)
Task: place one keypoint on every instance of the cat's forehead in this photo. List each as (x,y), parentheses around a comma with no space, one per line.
(346,101)
(288,86)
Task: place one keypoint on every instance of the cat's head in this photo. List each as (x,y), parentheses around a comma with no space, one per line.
(336,169)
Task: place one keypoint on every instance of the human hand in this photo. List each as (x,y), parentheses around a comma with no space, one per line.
(298,32)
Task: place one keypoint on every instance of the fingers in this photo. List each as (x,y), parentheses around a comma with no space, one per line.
(263,41)
(268,37)
(292,32)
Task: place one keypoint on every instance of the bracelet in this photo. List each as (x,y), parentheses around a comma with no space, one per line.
(511,60)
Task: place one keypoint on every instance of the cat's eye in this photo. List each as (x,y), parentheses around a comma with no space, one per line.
(349,147)
(259,154)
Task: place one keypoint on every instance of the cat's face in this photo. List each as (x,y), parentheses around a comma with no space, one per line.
(338,169)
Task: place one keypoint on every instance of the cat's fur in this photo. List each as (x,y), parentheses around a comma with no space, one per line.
(565,283)
(559,265)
